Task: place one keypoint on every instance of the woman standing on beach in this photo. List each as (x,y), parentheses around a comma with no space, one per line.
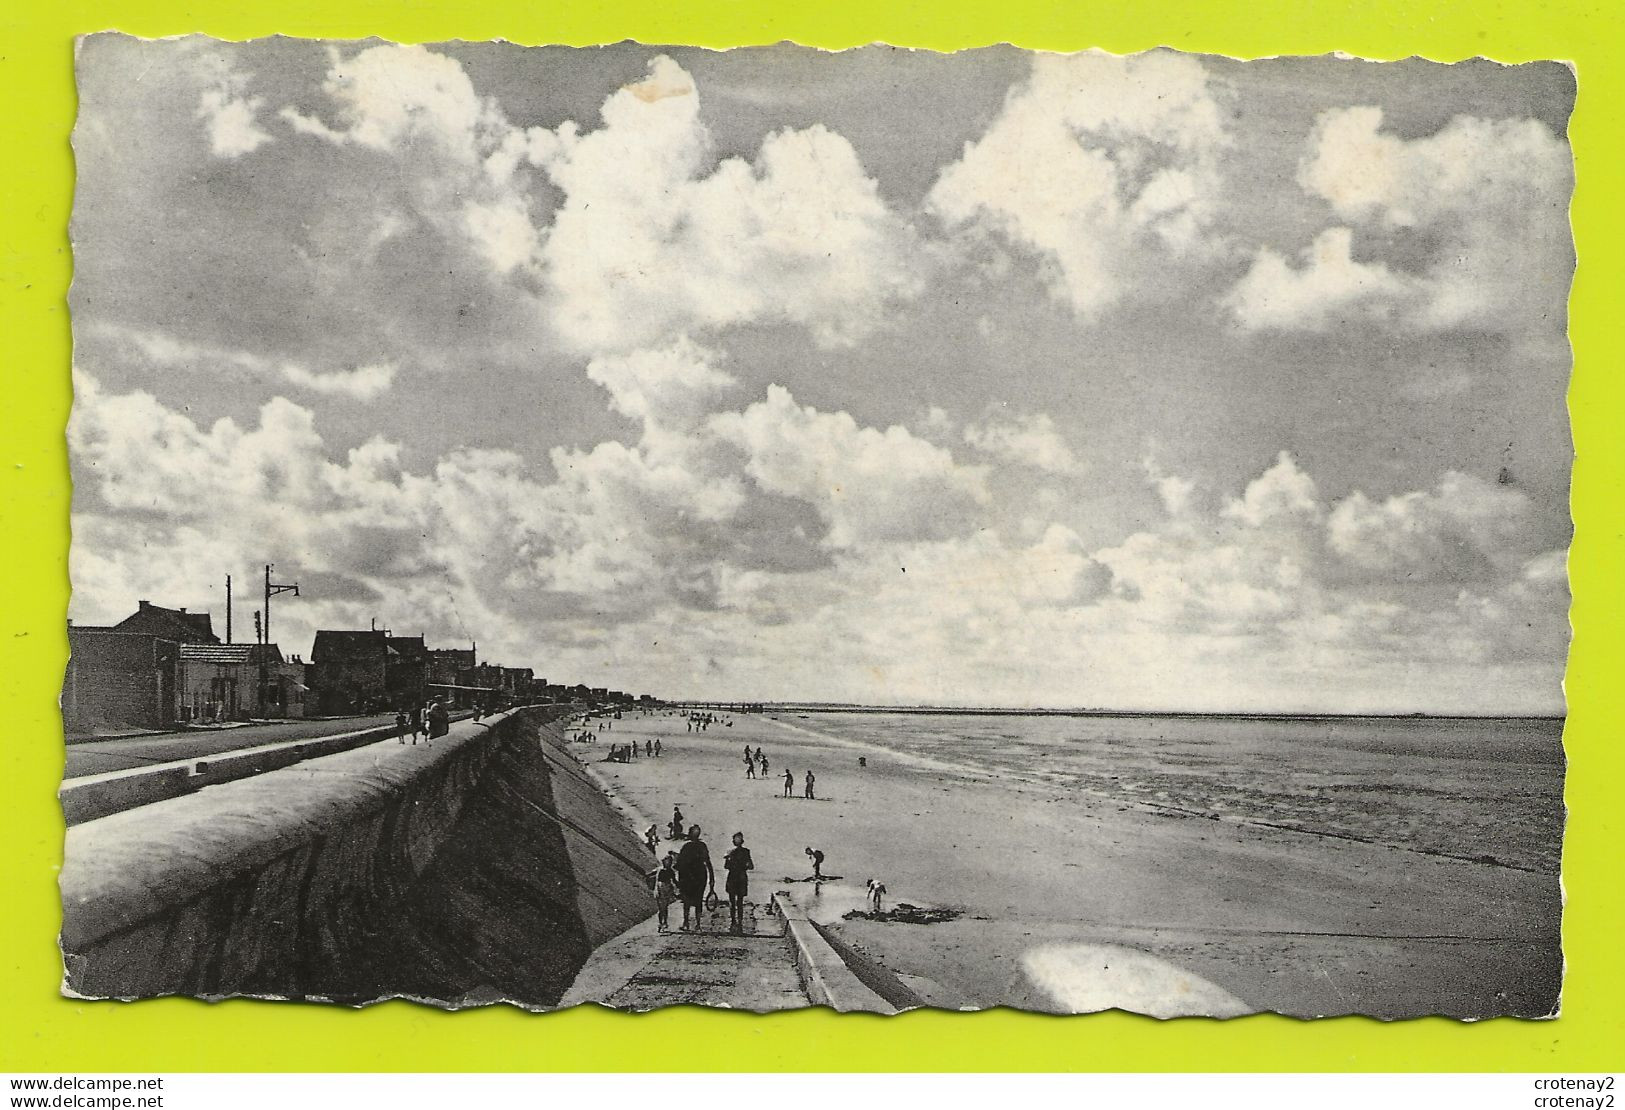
(738,865)
(694,874)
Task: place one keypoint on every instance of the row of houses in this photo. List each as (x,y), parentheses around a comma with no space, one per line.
(161,668)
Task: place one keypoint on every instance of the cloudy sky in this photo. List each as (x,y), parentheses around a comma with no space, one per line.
(1158,382)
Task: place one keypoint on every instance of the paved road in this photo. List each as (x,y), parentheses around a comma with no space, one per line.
(99,756)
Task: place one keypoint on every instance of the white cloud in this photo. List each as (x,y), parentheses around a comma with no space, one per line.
(233,130)
(1464,530)
(1104,166)
(793,546)
(871,486)
(669,387)
(230,115)
(1282,493)
(1026,440)
(1477,211)
(651,242)
(363,383)
(1330,287)
(420,108)
(391,97)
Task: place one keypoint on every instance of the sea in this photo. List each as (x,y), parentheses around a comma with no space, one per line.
(1487,789)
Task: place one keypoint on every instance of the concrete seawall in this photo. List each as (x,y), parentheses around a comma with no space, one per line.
(482,868)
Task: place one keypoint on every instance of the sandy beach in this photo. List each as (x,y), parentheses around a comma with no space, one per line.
(1068,901)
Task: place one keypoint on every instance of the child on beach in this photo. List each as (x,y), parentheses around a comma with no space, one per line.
(657,745)
(807,791)
(817,862)
(738,864)
(651,837)
(676,825)
(750,767)
(789,783)
(665,877)
(763,759)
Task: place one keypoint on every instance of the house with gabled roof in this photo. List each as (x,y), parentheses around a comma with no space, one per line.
(168,624)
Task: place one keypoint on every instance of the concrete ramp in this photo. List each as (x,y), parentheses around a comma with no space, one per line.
(644,969)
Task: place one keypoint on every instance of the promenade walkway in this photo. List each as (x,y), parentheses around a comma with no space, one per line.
(642,970)
(96,757)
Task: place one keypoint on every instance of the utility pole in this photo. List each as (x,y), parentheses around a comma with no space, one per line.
(228,608)
(272,589)
(259,638)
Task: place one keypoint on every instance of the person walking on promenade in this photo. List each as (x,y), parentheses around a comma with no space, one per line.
(665,889)
(817,858)
(738,865)
(807,790)
(400,724)
(415,718)
(438,719)
(789,783)
(694,875)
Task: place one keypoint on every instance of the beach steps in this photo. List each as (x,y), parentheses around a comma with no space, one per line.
(645,970)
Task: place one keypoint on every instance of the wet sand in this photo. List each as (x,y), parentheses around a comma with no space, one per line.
(1071,901)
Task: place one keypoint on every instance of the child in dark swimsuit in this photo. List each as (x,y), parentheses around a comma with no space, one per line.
(738,864)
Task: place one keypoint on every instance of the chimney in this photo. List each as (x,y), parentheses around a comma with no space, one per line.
(145,605)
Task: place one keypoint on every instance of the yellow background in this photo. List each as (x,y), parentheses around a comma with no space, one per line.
(40,1031)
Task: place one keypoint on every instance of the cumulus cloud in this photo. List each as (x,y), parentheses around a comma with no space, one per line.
(1106,167)
(1427,579)
(419,107)
(1464,530)
(652,240)
(1329,287)
(1026,440)
(735,537)
(230,114)
(1474,216)
(1282,493)
(777,533)
(870,486)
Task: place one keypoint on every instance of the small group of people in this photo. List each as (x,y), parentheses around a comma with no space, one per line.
(807,785)
(687,875)
(755,762)
(626,753)
(418,719)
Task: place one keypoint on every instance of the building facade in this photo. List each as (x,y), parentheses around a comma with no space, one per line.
(117,681)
